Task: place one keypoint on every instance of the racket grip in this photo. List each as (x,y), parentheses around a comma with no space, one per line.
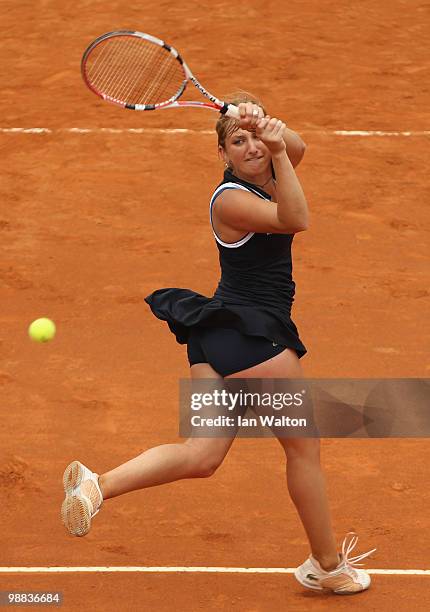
(232,111)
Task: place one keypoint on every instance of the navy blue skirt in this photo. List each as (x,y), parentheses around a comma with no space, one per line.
(184,309)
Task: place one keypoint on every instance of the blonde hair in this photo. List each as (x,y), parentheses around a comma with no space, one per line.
(227,125)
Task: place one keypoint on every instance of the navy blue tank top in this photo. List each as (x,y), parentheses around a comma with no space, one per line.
(257,269)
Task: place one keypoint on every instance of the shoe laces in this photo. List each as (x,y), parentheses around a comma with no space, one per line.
(348,546)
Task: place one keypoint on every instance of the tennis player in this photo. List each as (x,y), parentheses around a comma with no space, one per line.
(244,331)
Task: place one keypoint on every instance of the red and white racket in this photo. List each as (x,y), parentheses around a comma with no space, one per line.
(140,72)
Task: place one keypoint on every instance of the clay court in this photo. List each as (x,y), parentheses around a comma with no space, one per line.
(103,206)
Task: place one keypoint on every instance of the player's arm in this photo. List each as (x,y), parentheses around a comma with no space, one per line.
(292,205)
(294,145)
(244,211)
(247,212)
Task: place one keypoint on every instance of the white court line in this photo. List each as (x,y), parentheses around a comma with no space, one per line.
(76,130)
(206,570)
(375,133)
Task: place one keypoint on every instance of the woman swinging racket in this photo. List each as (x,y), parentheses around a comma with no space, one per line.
(243,331)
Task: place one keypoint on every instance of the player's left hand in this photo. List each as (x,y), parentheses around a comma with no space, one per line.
(271,132)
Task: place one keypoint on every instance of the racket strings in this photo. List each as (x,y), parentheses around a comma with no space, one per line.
(101,62)
(124,82)
(135,71)
(144,88)
(108,71)
(128,86)
(107,68)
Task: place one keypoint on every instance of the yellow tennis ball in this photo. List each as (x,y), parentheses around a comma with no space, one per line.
(42,330)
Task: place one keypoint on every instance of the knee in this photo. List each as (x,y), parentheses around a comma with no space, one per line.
(205,467)
(205,456)
(302,448)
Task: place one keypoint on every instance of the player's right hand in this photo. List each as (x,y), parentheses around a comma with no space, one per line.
(250,114)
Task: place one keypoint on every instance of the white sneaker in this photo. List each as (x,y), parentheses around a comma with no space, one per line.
(344,579)
(83,498)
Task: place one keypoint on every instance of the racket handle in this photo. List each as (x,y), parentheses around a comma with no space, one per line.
(232,111)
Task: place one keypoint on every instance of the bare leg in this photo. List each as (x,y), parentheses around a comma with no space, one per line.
(195,458)
(165,463)
(306,485)
(305,479)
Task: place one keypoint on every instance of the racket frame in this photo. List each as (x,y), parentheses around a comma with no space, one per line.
(215,104)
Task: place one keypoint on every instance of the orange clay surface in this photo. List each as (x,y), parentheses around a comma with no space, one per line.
(91,223)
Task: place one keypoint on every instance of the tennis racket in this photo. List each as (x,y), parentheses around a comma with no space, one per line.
(140,72)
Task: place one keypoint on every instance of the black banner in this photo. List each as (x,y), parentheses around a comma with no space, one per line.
(324,408)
